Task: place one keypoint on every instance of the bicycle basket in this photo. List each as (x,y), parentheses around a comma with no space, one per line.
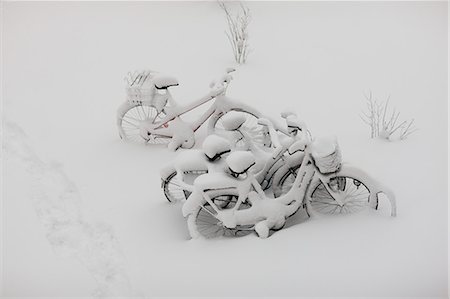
(326,154)
(139,87)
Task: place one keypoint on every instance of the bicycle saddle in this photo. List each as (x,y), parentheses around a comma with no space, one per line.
(233,121)
(287,113)
(240,162)
(298,145)
(214,147)
(294,123)
(191,160)
(163,82)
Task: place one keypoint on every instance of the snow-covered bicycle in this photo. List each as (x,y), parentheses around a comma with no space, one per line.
(150,114)
(177,178)
(234,204)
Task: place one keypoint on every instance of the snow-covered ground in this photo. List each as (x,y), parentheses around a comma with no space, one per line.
(84,215)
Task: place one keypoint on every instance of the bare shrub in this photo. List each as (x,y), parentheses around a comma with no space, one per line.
(384,121)
(238,31)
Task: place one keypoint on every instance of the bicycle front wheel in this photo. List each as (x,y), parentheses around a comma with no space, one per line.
(173,188)
(203,221)
(340,195)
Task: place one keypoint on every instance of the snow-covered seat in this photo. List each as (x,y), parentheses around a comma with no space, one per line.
(166,172)
(233,120)
(163,82)
(214,181)
(240,162)
(297,146)
(264,122)
(192,160)
(294,123)
(215,146)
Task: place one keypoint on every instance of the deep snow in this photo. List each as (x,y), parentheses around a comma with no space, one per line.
(63,68)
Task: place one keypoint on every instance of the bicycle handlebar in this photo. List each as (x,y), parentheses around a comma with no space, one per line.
(220,86)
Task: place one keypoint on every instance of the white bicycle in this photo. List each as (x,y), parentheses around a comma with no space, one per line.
(150,114)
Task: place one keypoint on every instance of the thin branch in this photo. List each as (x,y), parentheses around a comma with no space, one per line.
(408,130)
(238,31)
(376,117)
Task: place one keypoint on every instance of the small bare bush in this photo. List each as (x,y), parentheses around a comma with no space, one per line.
(384,121)
(238,31)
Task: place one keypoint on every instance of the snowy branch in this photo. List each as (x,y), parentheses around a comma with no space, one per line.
(383,121)
(238,31)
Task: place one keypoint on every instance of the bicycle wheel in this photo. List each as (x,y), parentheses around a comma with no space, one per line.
(251,126)
(205,223)
(341,195)
(129,120)
(173,188)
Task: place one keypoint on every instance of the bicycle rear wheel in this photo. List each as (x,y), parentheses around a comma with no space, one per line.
(130,118)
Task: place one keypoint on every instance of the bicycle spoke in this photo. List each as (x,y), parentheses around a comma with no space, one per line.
(353,198)
(209,226)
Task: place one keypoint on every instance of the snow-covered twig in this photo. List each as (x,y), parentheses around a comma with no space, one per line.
(384,123)
(408,130)
(238,31)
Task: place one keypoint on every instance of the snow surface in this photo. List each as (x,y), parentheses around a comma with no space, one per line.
(63,67)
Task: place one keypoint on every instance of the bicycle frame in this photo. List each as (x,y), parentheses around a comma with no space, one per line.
(162,127)
(307,166)
(221,104)
(265,175)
